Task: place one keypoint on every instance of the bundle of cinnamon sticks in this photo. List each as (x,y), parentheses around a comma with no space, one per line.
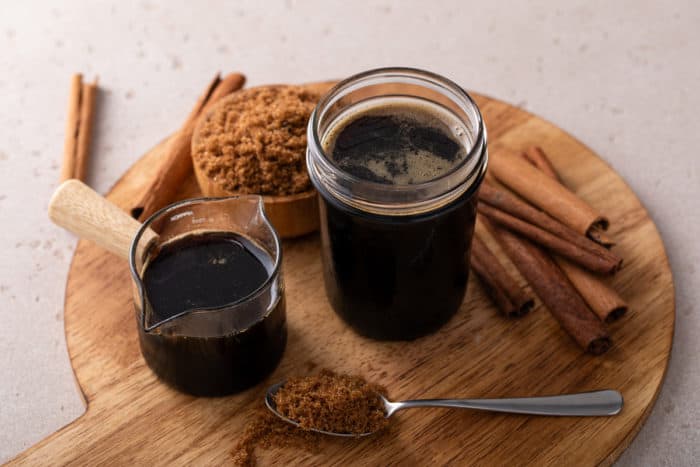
(81,107)
(555,240)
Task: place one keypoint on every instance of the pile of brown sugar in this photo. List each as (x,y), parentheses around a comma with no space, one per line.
(333,402)
(267,430)
(326,401)
(255,141)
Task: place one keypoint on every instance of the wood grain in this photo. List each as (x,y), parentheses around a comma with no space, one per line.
(132,418)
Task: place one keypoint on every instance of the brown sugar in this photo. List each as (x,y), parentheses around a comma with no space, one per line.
(327,401)
(255,141)
(333,402)
(266,430)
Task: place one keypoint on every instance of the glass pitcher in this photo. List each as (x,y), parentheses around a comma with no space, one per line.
(212,351)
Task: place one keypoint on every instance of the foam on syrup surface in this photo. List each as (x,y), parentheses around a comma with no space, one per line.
(397,140)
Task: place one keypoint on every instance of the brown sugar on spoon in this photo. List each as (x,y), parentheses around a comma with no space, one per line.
(333,402)
(255,141)
(325,401)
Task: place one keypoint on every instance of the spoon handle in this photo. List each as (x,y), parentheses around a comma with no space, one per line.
(597,403)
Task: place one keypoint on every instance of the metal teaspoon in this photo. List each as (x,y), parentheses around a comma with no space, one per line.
(586,404)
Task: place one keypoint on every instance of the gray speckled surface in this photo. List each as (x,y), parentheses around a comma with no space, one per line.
(621,76)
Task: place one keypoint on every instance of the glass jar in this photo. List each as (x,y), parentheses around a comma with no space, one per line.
(396,257)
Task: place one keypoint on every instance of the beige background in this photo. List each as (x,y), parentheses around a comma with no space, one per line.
(621,76)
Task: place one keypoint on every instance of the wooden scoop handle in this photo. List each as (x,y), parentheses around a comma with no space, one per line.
(78,208)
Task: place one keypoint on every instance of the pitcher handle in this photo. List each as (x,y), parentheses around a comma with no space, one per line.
(78,208)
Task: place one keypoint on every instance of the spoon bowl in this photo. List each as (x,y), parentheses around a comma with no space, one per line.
(602,403)
(270,403)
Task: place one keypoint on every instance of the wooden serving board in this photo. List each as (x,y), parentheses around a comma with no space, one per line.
(132,418)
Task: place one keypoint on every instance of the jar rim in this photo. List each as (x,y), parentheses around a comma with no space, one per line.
(476,157)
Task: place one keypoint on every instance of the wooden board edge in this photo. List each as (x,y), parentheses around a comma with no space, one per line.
(615,454)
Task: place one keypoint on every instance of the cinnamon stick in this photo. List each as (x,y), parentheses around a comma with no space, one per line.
(555,290)
(87,108)
(505,292)
(597,235)
(76,147)
(72,121)
(515,214)
(536,156)
(177,162)
(544,192)
(605,302)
